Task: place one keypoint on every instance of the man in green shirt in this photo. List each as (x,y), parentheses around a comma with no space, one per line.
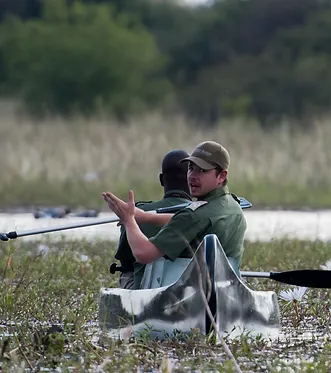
(174,182)
(215,211)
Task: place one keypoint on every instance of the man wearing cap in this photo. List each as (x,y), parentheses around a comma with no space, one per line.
(215,211)
(174,182)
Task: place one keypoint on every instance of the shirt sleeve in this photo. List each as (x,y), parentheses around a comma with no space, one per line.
(123,249)
(177,235)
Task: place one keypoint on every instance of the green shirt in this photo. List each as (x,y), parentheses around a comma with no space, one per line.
(217,213)
(124,252)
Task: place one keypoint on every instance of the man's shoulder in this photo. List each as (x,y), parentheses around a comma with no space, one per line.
(147,205)
(142,203)
(195,210)
(234,204)
(164,202)
(196,205)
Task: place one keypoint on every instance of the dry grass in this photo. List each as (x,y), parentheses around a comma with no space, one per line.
(112,154)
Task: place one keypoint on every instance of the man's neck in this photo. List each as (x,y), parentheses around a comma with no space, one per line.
(176,193)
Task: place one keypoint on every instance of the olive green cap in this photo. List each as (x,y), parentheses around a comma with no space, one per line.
(208,155)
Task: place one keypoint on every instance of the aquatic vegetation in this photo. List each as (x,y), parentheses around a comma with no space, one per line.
(294,296)
(326,266)
(48,308)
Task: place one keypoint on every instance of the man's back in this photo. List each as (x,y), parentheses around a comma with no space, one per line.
(171,198)
(226,220)
(218,213)
(228,224)
(173,179)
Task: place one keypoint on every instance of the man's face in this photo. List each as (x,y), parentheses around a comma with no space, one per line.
(202,181)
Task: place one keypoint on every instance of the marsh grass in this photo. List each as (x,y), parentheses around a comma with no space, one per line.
(48,283)
(70,162)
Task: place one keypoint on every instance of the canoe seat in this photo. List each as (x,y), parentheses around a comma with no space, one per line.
(163,272)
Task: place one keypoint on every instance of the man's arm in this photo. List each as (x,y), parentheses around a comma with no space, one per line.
(177,236)
(147,217)
(143,250)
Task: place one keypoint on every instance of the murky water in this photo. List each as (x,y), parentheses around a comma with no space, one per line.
(262,225)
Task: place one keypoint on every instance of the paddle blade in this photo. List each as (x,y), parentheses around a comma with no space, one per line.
(304,277)
(244,204)
(3,237)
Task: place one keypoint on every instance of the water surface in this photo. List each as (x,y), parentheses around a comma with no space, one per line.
(262,225)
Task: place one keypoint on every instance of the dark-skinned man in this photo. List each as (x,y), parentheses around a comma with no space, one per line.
(215,211)
(173,179)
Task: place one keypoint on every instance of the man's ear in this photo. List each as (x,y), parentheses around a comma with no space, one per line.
(222,176)
(161,179)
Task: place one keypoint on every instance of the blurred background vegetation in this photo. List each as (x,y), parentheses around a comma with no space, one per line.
(263,59)
(94,92)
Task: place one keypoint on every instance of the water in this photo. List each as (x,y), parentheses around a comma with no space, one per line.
(262,226)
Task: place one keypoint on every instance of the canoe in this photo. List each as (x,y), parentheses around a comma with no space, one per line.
(174,294)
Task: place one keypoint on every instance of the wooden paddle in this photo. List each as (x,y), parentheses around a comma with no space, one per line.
(312,278)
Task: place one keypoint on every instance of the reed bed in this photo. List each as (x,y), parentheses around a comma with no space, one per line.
(62,161)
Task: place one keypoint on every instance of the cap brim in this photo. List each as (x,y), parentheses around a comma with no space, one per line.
(199,162)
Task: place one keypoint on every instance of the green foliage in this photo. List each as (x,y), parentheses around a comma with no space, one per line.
(82,58)
(52,325)
(266,59)
(253,60)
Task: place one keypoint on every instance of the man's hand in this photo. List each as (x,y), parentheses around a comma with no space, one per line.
(143,250)
(124,210)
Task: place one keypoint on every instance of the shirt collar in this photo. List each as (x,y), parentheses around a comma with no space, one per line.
(177,194)
(218,192)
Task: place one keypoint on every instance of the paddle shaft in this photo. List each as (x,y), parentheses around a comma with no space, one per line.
(244,204)
(312,278)
(255,274)
(12,235)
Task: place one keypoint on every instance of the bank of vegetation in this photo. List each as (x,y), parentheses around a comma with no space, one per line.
(87,78)
(266,59)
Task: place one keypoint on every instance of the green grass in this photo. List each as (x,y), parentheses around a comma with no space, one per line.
(61,288)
